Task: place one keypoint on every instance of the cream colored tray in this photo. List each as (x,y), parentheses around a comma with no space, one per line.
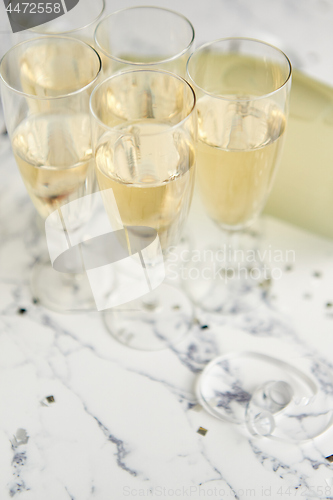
(303,189)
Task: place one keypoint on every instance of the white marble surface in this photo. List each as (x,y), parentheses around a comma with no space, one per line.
(124,423)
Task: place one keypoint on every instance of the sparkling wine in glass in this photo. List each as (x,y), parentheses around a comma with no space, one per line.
(243,88)
(46,86)
(144,132)
(158,193)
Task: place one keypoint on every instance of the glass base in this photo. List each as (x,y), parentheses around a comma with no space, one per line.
(60,292)
(270,397)
(230,290)
(156,321)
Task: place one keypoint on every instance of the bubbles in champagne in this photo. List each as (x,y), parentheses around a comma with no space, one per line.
(238,150)
(150,169)
(53,153)
(239,125)
(144,154)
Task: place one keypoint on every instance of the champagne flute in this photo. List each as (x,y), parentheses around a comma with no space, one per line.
(46,85)
(80,23)
(243,88)
(144,37)
(144,132)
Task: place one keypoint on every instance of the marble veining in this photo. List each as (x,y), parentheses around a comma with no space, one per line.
(124,423)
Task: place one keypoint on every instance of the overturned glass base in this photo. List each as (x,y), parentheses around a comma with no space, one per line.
(270,397)
(156,321)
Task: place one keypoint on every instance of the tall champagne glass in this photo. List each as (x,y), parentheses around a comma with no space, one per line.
(139,37)
(243,88)
(80,23)
(144,132)
(46,85)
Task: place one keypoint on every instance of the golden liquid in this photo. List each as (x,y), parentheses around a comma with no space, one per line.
(53,153)
(238,149)
(234,73)
(46,70)
(49,70)
(152,177)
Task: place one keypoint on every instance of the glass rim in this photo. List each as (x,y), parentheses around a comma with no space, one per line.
(51,98)
(236,99)
(119,75)
(74,30)
(152,7)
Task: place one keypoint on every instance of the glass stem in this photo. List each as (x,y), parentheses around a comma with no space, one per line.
(232,246)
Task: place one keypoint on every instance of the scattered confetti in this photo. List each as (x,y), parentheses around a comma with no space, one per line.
(197,407)
(47,401)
